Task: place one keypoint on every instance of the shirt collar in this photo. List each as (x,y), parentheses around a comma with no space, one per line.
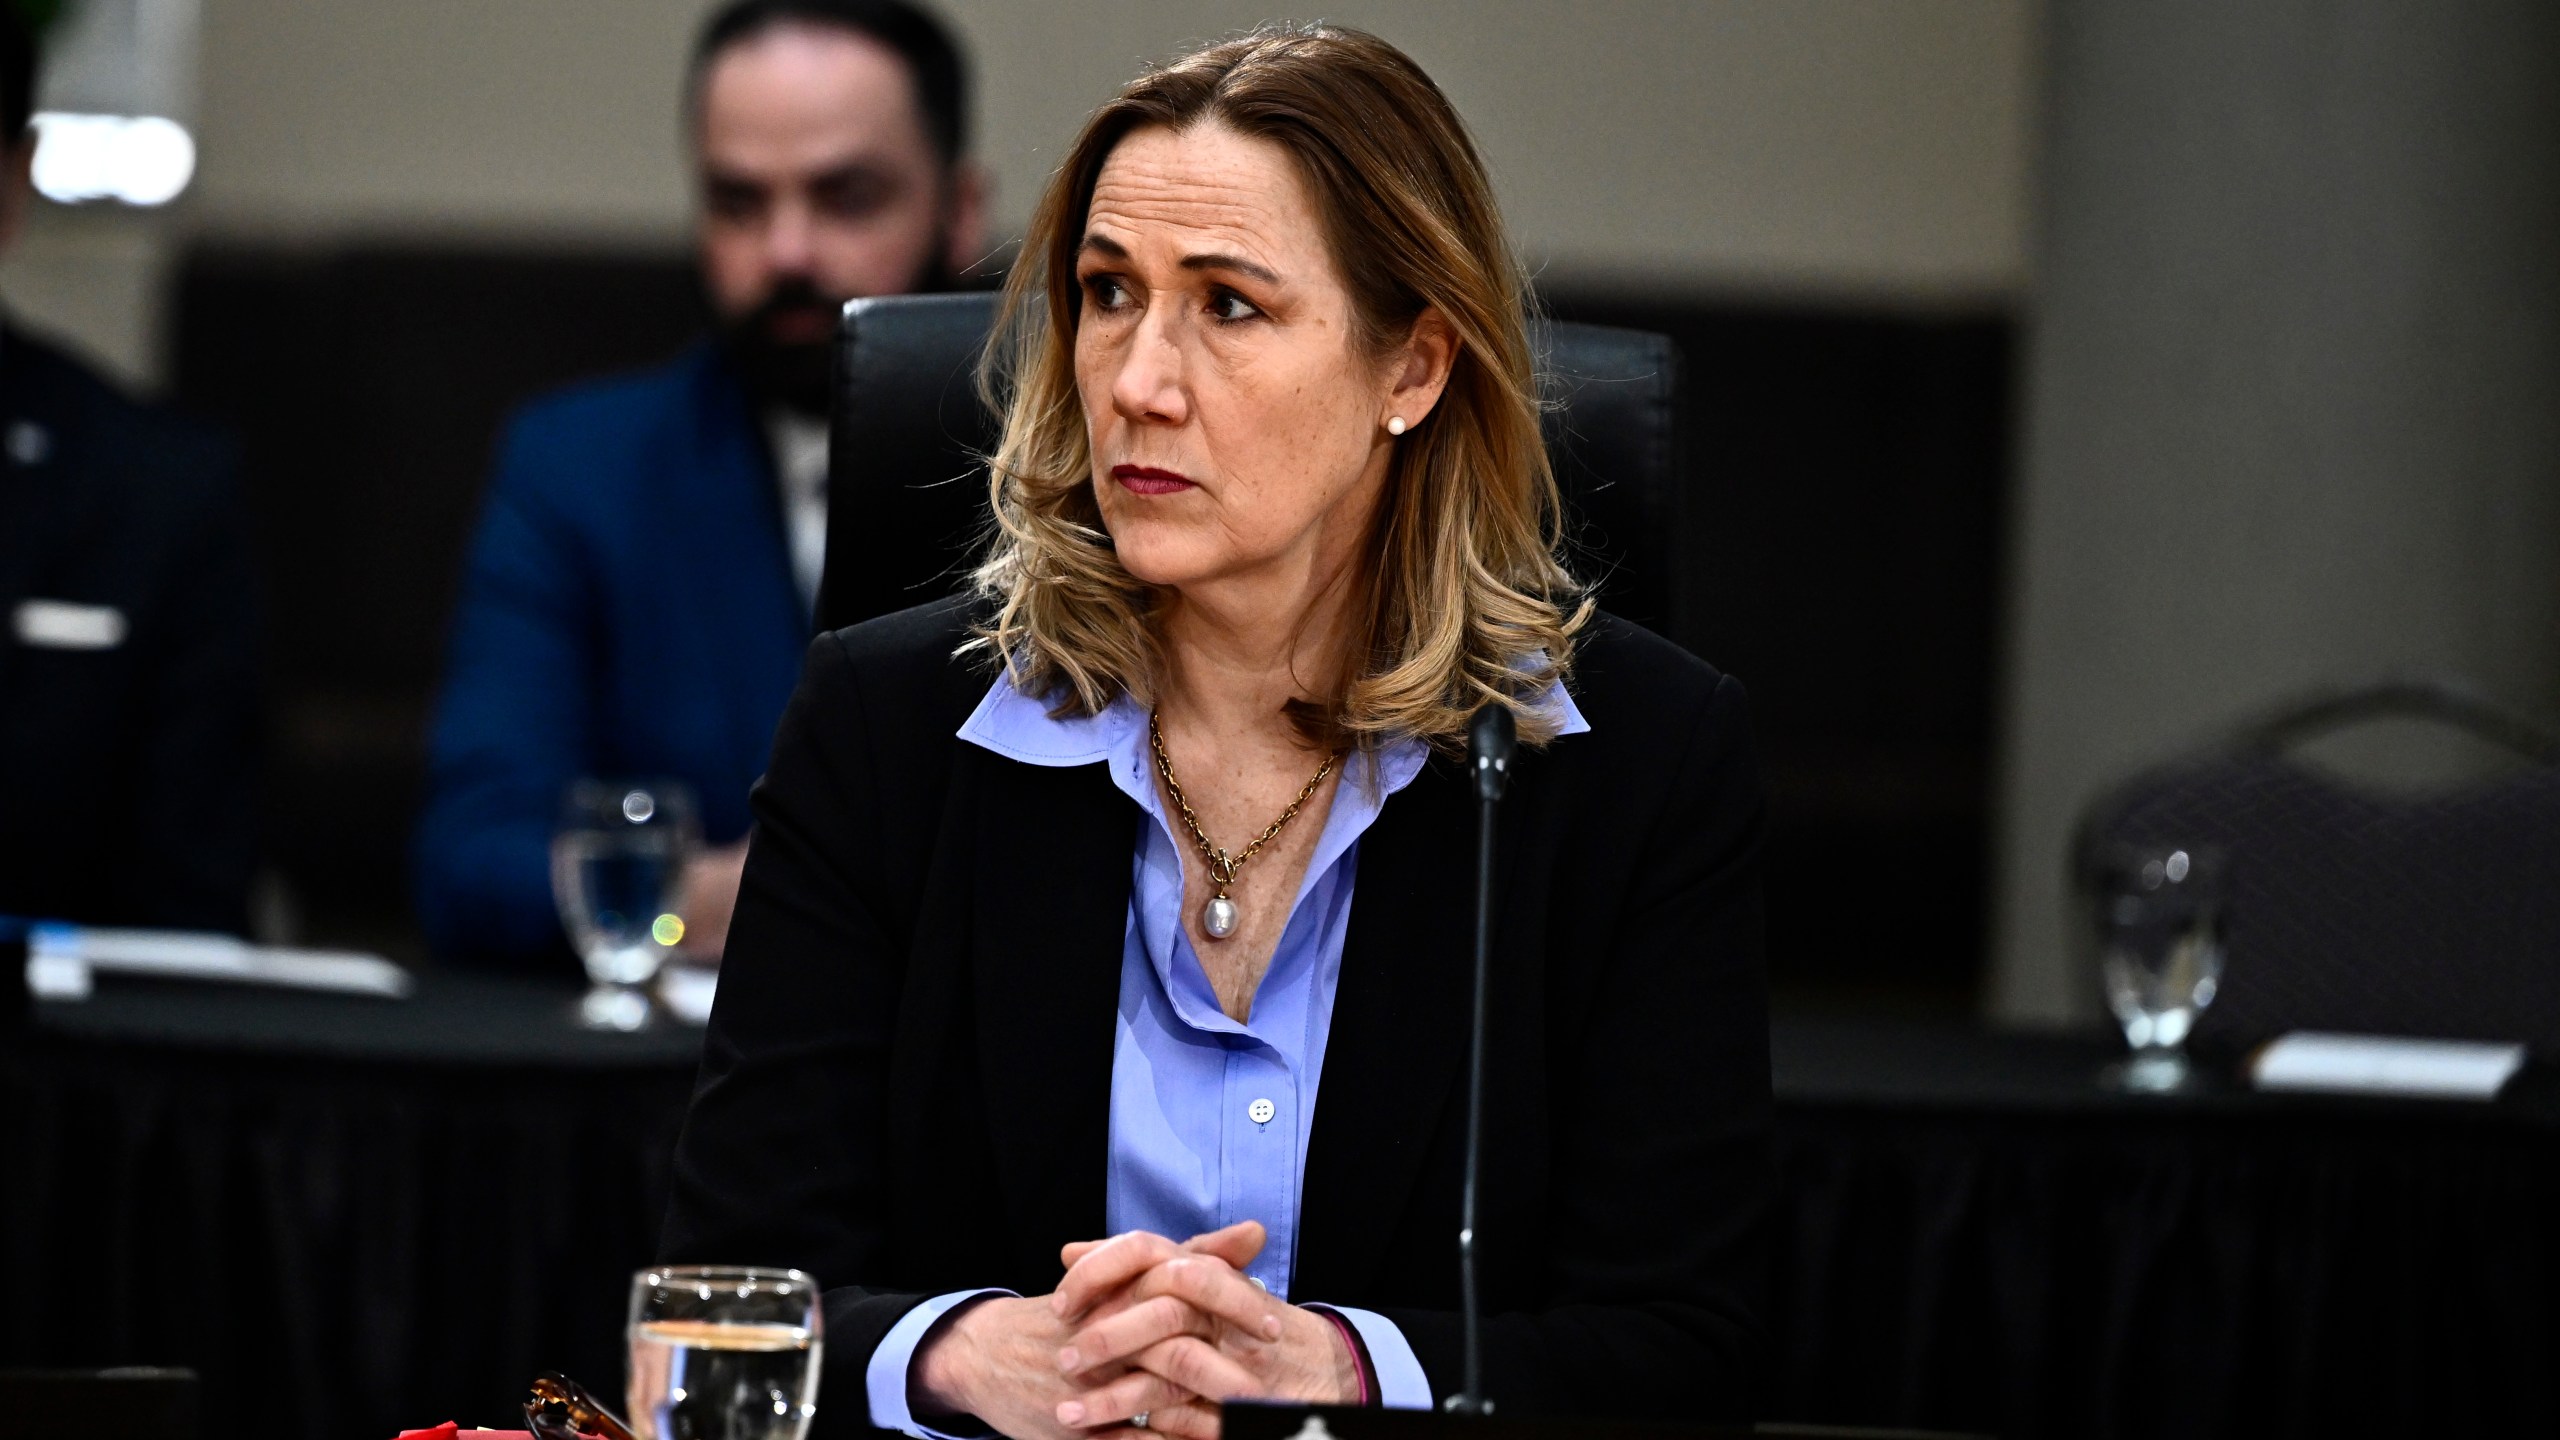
(1019,727)
(799,445)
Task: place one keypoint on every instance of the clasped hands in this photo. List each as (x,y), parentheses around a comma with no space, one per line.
(1139,1326)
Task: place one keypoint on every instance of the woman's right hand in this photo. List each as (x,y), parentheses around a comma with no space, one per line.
(997,1359)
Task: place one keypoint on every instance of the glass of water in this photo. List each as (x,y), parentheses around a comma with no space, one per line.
(723,1353)
(617,873)
(2160,953)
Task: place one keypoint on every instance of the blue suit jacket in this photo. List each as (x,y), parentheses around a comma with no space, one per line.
(627,611)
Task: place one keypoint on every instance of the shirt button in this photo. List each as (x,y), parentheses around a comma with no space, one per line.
(1261,1111)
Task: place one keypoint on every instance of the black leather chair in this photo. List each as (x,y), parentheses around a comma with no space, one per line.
(2364,909)
(906,512)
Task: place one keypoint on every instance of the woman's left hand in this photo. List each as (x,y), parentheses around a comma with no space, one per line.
(1193,1325)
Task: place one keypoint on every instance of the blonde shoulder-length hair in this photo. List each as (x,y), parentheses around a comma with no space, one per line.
(1463,595)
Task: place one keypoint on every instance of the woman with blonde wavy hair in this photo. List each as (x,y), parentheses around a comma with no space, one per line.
(1048,938)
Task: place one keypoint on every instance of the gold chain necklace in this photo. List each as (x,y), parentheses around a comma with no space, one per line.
(1218,917)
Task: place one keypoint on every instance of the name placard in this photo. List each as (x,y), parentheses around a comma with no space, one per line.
(2386,1065)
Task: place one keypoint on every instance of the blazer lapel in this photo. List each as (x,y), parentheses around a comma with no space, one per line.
(1398,1042)
(32,492)
(1050,918)
(28,497)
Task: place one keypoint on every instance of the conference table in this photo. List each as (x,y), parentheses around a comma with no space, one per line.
(352,1216)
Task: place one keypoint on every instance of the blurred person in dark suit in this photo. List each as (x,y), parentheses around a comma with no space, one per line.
(639,595)
(129,669)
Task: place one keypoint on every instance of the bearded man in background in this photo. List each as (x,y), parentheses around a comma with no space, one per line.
(639,593)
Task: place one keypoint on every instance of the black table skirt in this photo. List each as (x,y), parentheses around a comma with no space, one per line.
(342,1248)
(2176,1275)
(353,1219)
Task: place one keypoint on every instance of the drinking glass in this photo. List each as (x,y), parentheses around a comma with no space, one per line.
(2160,952)
(723,1353)
(617,873)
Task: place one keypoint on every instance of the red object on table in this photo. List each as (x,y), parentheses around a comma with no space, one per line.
(450,1431)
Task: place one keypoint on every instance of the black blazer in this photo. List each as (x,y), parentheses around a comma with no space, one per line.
(128,787)
(906,1083)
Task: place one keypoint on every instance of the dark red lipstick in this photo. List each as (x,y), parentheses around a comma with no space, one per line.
(1147,480)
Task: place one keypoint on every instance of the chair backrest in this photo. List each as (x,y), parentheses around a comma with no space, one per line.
(907,491)
(2357,909)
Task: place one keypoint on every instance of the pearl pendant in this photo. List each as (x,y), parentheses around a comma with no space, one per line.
(1218,917)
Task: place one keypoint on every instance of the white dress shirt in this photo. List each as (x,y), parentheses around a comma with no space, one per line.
(800,466)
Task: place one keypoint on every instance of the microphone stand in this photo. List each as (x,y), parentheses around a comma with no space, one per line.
(1490,738)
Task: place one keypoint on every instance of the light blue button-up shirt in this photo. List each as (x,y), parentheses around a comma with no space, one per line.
(1210,1117)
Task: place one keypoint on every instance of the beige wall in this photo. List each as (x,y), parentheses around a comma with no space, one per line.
(1823,145)
(93,278)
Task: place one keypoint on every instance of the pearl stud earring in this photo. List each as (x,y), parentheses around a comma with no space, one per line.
(1395,424)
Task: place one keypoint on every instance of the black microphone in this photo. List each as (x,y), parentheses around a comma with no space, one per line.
(1490,738)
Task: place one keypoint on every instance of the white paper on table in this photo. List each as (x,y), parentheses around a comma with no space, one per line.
(63,962)
(2387,1065)
(687,992)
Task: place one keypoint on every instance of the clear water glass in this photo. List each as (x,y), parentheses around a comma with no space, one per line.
(617,874)
(2160,952)
(723,1353)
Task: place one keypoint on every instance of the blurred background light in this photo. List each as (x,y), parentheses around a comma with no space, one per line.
(135,159)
